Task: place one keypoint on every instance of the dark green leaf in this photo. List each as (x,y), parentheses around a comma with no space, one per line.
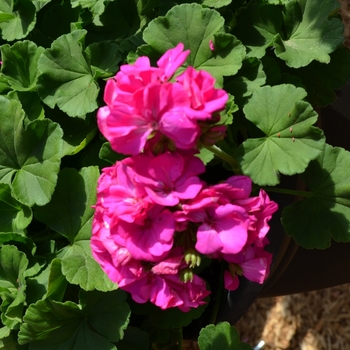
(18,18)
(13,264)
(250,77)
(19,64)
(104,57)
(14,216)
(257,27)
(73,199)
(325,213)
(101,319)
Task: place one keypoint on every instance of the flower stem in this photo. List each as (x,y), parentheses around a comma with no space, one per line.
(218,294)
(226,157)
(287,191)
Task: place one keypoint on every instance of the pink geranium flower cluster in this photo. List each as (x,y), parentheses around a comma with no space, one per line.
(154,216)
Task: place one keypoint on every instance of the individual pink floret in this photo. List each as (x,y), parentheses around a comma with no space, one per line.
(172,60)
(149,240)
(169,177)
(205,98)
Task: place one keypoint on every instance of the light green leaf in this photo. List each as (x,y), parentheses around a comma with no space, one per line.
(216,3)
(222,336)
(96,7)
(311,34)
(18,19)
(104,57)
(79,267)
(13,264)
(14,216)
(29,158)
(195,26)
(19,64)
(325,213)
(257,27)
(291,141)
(99,320)
(65,76)
(205,155)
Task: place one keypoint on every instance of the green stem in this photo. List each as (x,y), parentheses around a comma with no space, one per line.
(226,157)
(287,191)
(218,295)
(180,338)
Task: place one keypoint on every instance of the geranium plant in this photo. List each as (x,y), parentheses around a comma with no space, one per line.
(114,116)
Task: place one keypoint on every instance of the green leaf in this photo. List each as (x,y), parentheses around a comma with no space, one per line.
(216,3)
(109,155)
(311,33)
(195,26)
(58,18)
(320,80)
(205,155)
(325,213)
(222,336)
(257,27)
(77,132)
(249,78)
(14,216)
(119,20)
(291,141)
(31,104)
(13,264)
(29,158)
(79,267)
(74,196)
(93,325)
(18,19)
(19,64)
(96,7)
(104,57)
(65,76)
(174,318)
(134,339)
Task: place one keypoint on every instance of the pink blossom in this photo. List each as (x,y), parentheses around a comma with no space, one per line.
(205,99)
(169,177)
(223,229)
(120,195)
(150,240)
(211,45)
(172,60)
(231,282)
(155,107)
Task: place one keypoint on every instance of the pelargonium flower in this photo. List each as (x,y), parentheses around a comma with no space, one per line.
(141,101)
(169,177)
(253,263)
(205,99)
